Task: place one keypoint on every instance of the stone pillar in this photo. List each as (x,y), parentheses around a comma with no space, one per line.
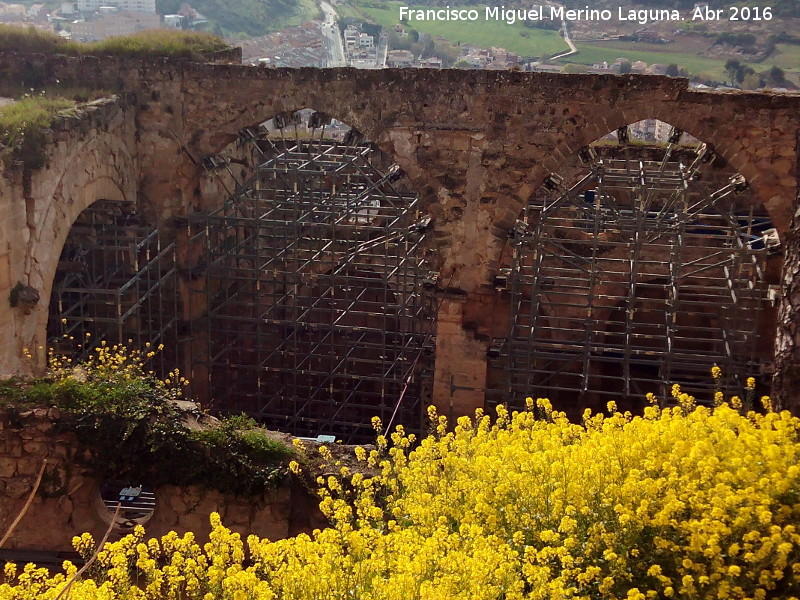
(460,376)
(786,382)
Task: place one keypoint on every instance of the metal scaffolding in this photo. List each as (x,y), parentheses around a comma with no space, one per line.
(115,282)
(317,317)
(632,279)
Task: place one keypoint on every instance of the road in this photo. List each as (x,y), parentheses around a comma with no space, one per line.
(565,32)
(332,37)
(382,52)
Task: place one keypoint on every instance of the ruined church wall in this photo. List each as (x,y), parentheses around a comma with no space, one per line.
(67,502)
(476,146)
(87,156)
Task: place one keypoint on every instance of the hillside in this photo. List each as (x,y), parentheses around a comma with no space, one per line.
(246,18)
(695,47)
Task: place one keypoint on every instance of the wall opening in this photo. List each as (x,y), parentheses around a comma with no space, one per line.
(315,317)
(115,283)
(646,268)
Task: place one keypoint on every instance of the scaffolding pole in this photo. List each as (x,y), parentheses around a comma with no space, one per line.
(116,282)
(317,318)
(634,278)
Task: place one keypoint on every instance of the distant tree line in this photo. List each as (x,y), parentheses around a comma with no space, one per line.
(747,77)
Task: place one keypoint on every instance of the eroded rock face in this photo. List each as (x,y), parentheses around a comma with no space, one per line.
(475,144)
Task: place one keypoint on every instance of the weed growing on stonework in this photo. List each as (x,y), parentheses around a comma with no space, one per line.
(128,425)
(21,125)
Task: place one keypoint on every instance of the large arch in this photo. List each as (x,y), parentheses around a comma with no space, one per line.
(555,319)
(311,281)
(761,151)
(58,195)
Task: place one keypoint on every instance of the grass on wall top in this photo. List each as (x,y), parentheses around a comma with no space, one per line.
(151,43)
(32,112)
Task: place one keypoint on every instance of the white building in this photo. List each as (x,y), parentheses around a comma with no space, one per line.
(351,36)
(91,6)
(173,21)
(366,41)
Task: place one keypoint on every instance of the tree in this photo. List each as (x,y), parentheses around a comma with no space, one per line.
(752,81)
(372,29)
(776,76)
(447,52)
(397,42)
(732,67)
(673,70)
(625,67)
(574,68)
(735,70)
(428,47)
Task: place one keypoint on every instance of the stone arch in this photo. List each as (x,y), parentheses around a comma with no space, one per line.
(581,313)
(221,130)
(739,149)
(341,98)
(108,174)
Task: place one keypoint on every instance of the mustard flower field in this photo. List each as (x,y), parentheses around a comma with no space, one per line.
(683,502)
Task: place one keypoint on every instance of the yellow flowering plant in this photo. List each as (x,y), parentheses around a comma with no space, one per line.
(686,502)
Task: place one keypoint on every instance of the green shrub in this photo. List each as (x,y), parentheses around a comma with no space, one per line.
(128,426)
(21,123)
(159,42)
(239,455)
(35,40)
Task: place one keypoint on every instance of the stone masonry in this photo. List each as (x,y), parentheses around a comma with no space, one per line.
(476,145)
(68,499)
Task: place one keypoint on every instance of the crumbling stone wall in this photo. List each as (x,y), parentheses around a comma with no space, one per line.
(67,502)
(475,144)
(88,156)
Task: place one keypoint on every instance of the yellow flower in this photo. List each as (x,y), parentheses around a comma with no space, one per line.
(689,502)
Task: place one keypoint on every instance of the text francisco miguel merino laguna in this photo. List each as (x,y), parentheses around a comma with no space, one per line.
(536,13)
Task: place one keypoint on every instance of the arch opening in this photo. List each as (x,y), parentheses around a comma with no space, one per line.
(115,283)
(312,315)
(646,263)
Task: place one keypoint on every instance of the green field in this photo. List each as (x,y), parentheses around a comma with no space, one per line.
(480,33)
(649,53)
(542,42)
(787,57)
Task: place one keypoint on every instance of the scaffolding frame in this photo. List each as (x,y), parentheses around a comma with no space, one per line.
(632,279)
(317,316)
(116,282)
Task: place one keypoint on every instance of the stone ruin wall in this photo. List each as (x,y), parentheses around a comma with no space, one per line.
(476,146)
(88,154)
(68,504)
